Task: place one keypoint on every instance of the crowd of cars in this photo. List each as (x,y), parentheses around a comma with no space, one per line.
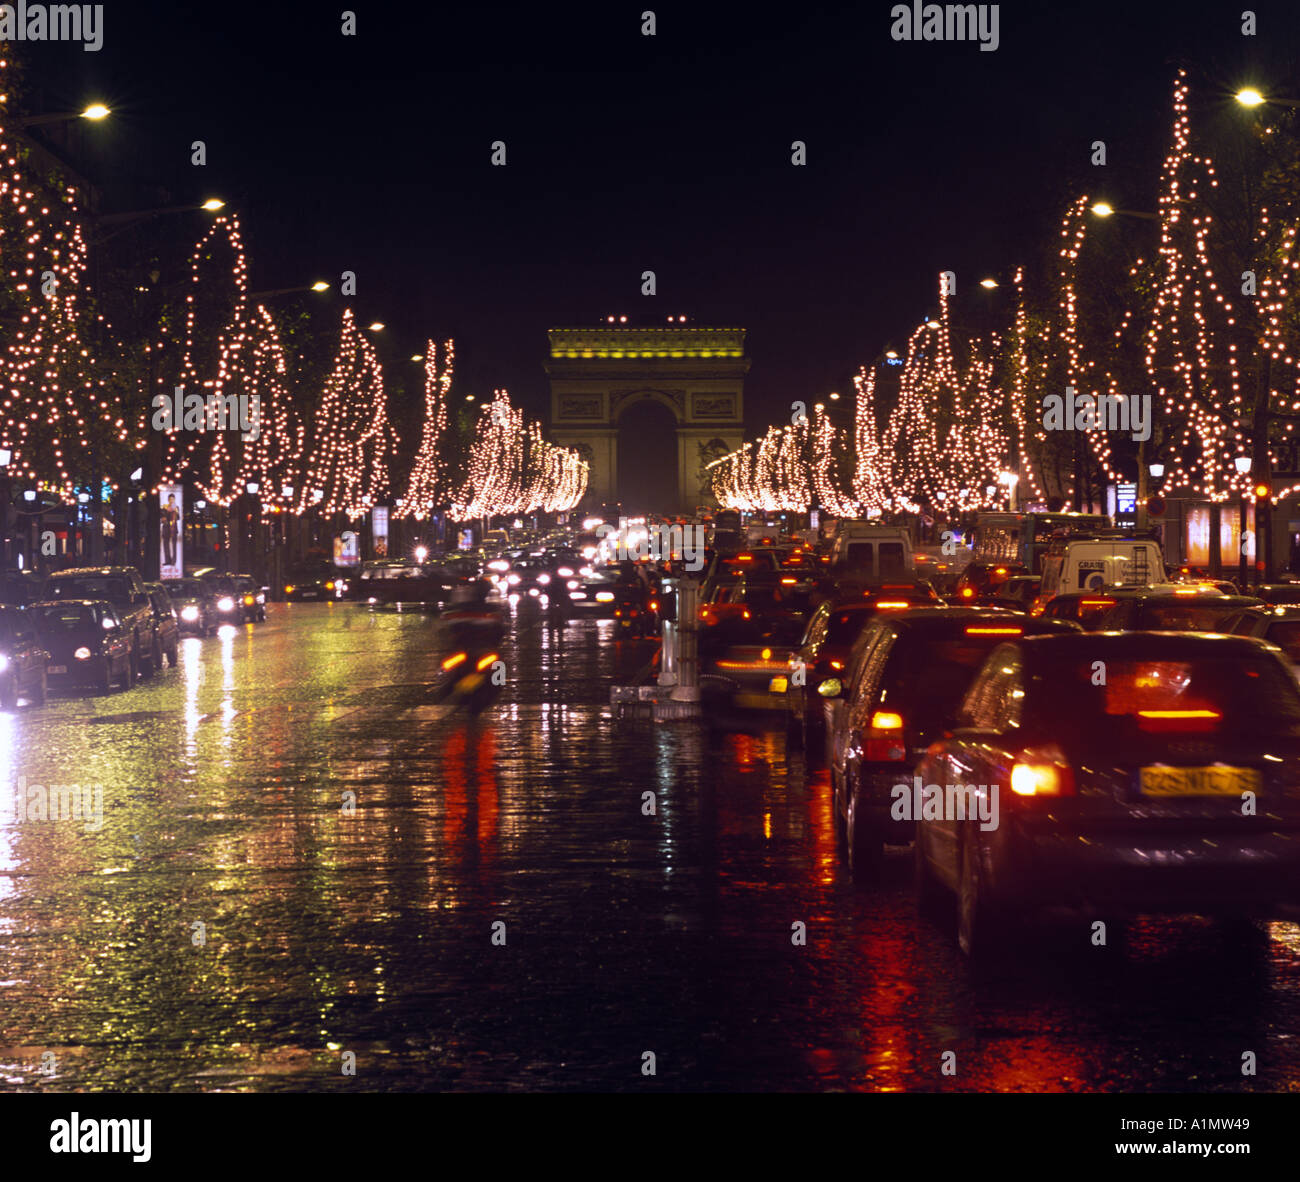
(105,628)
(1108,749)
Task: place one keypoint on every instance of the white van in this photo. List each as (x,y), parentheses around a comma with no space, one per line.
(866,552)
(1096,563)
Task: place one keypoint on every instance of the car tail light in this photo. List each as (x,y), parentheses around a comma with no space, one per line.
(452,661)
(968,592)
(991,631)
(883,604)
(485,662)
(884,741)
(1042,771)
(1162,721)
(837,664)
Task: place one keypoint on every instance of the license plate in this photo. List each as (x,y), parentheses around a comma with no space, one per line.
(1199,781)
(472,682)
(57,669)
(758,702)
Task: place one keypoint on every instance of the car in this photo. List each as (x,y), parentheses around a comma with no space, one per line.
(1278,594)
(980,579)
(1170,607)
(238,598)
(309,581)
(824,650)
(22,660)
(195,601)
(20,588)
(866,552)
(124,589)
(1085,608)
(1016,593)
(901,691)
(166,622)
(88,642)
(1168,784)
(398,580)
(1277,625)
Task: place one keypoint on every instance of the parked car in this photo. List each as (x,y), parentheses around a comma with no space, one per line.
(166,622)
(195,602)
(88,641)
(901,691)
(125,590)
(1120,796)
(22,660)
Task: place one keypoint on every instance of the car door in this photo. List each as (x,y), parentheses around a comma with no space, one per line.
(838,709)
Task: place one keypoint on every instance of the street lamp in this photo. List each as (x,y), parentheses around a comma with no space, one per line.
(1252,98)
(95,112)
(1156,470)
(1010,480)
(988,284)
(319,285)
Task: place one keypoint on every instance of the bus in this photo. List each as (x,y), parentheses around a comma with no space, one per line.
(1024,537)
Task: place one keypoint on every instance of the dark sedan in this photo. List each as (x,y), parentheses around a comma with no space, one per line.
(195,601)
(88,643)
(1115,774)
(904,683)
(22,660)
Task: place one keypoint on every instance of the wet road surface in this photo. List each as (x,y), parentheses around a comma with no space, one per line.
(372,932)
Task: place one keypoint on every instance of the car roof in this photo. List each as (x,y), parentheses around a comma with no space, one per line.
(99,571)
(1141,644)
(66,602)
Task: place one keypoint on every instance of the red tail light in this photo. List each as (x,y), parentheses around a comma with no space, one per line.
(884,741)
(1163,721)
(1042,771)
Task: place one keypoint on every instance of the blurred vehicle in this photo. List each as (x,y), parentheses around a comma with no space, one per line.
(311,582)
(124,589)
(472,629)
(1117,798)
(88,641)
(166,620)
(824,650)
(1016,593)
(1277,625)
(905,679)
(1170,607)
(1085,608)
(23,659)
(869,553)
(195,602)
(400,580)
(1023,539)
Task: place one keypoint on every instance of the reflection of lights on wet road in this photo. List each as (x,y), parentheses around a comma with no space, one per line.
(228,710)
(11,807)
(192,671)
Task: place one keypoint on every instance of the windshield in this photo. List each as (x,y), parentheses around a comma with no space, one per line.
(75,617)
(1183,616)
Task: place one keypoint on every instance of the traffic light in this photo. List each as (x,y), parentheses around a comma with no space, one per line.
(1263,490)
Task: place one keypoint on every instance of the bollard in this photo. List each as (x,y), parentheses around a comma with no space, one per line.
(668,656)
(688,662)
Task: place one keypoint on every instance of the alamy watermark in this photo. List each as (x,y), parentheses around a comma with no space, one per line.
(54,22)
(946,22)
(213,412)
(66,802)
(951,802)
(1110,412)
(637,542)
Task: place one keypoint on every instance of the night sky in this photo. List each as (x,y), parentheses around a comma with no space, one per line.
(626,153)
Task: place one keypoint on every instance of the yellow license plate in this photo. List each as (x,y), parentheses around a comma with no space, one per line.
(1199,781)
(472,682)
(759,702)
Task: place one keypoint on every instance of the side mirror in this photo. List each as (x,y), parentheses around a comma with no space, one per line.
(831,688)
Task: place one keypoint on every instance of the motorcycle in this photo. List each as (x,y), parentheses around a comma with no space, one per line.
(468,679)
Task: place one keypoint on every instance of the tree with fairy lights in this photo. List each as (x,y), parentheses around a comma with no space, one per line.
(428,488)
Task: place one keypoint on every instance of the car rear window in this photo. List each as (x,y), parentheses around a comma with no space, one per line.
(928,672)
(1185,616)
(846,627)
(1234,693)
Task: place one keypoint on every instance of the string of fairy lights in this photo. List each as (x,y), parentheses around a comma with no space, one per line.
(71,417)
(965,419)
(512,469)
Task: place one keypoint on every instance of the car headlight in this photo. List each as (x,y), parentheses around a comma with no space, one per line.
(543,578)
(249,601)
(513,580)
(604,596)
(573,584)
(225,604)
(4,661)
(83,653)
(565,572)
(289,589)
(189,613)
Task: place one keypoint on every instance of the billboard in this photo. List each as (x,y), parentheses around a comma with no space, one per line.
(379,530)
(171,540)
(347,549)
